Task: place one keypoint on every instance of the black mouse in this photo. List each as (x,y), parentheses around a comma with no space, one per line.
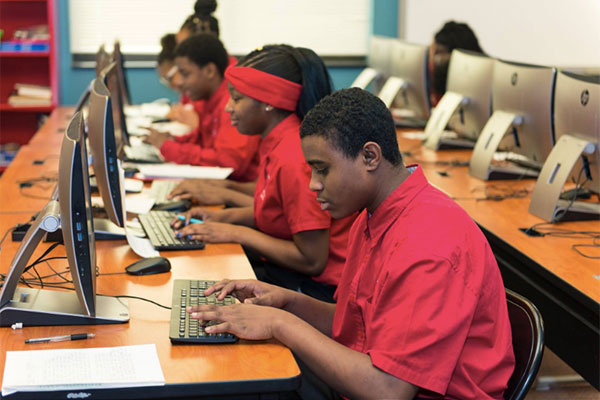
(173,205)
(149,266)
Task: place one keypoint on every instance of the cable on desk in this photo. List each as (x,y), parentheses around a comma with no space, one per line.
(9,230)
(136,298)
(410,151)
(39,181)
(43,160)
(578,246)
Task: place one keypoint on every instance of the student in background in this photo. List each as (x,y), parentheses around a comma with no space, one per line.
(201,21)
(453,35)
(271,90)
(421,308)
(201,61)
(170,77)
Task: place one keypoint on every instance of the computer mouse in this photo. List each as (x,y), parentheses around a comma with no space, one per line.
(173,205)
(149,266)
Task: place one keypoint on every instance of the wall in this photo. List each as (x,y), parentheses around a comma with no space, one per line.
(144,83)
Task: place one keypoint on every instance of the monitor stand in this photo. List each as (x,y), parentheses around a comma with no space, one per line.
(364,78)
(545,199)
(39,307)
(390,90)
(499,124)
(50,307)
(439,119)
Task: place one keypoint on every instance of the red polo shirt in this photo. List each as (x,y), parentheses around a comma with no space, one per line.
(422,295)
(215,142)
(283,202)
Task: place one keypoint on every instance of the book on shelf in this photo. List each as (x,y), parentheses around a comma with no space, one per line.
(25,101)
(30,90)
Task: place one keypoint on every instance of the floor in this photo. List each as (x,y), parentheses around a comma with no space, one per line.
(557,381)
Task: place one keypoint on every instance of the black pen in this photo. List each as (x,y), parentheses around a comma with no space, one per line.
(76,336)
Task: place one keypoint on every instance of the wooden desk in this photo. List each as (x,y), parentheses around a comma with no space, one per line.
(563,285)
(247,367)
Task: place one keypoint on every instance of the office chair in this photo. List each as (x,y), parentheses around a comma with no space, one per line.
(527,329)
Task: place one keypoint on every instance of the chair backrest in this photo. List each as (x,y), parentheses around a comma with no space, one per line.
(527,329)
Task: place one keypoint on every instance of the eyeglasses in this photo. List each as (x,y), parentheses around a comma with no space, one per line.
(166,80)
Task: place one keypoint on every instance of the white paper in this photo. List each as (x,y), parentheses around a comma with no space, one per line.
(177,171)
(95,368)
(420,135)
(140,246)
(139,203)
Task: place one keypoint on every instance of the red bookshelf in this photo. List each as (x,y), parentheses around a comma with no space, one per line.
(19,123)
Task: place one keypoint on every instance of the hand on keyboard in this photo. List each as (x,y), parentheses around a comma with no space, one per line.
(246,321)
(198,213)
(250,291)
(156,138)
(213,232)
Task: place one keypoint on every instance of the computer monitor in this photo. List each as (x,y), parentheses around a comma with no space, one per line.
(407,88)
(121,76)
(109,76)
(83,98)
(71,209)
(521,122)
(467,104)
(576,154)
(378,65)
(103,146)
(102,59)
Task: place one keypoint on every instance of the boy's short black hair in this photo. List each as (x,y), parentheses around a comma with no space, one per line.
(204,48)
(349,118)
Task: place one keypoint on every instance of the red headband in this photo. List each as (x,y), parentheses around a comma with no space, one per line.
(265,87)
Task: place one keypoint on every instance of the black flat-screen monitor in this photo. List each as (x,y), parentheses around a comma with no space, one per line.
(109,77)
(102,59)
(71,209)
(124,91)
(104,150)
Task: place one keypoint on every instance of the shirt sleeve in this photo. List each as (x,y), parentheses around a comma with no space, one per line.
(231,149)
(300,206)
(419,335)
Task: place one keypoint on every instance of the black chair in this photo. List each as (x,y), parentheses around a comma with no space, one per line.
(527,329)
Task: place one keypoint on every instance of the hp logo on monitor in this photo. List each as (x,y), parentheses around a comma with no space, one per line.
(513,79)
(585,97)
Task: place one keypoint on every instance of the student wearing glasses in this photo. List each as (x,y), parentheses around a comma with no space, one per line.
(201,62)
(166,68)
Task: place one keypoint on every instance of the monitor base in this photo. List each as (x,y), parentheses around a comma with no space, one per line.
(40,307)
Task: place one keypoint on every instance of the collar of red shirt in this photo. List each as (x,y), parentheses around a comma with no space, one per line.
(273,138)
(393,206)
(214,100)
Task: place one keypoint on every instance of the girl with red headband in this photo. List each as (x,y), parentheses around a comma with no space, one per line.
(301,247)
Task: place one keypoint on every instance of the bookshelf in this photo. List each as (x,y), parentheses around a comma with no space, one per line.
(25,64)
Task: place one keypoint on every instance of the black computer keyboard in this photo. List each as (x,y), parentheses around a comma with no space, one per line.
(184,329)
(157,225)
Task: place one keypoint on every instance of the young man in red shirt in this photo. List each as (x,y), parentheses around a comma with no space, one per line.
(421,308)
(201,61)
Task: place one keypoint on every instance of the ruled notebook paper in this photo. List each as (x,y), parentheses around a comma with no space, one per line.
(79,369)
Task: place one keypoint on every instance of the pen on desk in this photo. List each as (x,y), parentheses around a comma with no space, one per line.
(76,336)
(192,220)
